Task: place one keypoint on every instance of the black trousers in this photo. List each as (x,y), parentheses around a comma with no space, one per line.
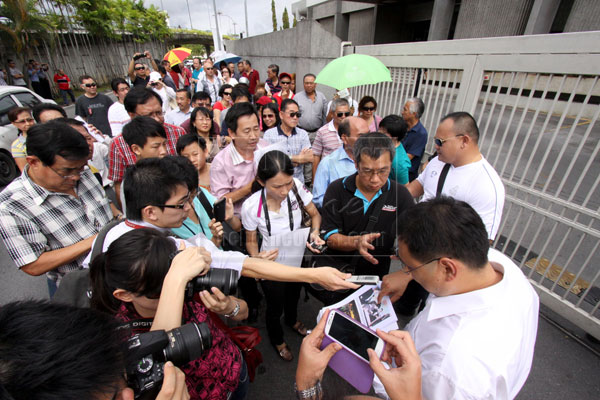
(282,298)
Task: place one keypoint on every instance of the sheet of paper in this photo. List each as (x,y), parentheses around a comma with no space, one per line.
(290,245)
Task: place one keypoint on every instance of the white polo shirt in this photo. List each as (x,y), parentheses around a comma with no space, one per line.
(253,216)
(476,183)
(478,345)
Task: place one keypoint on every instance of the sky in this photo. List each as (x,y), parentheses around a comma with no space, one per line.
(259,14)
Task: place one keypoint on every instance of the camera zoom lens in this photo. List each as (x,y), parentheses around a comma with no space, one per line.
(187,343)
(223,279)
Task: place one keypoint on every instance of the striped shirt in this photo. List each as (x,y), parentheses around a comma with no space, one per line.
(34,220)
(326,141)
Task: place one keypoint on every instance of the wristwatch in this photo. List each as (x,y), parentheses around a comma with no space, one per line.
(235,312)
(312,393)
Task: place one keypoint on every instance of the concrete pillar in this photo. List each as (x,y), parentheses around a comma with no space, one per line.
(492,18)
(584,16)
(340,22)
(541,17)
(441,18)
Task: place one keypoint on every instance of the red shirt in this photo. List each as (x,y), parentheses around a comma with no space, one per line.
(121,156)
(63,81)
(253,77)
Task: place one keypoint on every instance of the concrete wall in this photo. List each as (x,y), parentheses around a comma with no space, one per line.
(585,16)
(492,18)
(306,48)
(327,23)
(360,27)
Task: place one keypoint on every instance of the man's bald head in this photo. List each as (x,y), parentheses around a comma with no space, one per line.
(353,126)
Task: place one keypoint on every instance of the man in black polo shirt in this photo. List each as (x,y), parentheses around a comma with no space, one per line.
(359,212)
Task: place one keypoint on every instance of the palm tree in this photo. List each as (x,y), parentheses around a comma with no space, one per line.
(22,25)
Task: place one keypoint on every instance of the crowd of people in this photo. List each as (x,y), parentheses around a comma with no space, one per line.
(176,143)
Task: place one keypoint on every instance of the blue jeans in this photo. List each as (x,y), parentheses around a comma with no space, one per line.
(51,287)
(242,390)
(64,93)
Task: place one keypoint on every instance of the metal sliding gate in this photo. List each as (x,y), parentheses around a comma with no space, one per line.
(537,101)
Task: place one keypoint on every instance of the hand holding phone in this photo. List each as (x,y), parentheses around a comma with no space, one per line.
(219,210)
(353,336)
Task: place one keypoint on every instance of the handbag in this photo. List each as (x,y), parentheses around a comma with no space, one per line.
(246,338)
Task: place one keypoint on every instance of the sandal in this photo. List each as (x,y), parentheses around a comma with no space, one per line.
(299,328)
(285,353)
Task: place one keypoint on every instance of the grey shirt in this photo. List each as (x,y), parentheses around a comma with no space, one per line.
(314,113)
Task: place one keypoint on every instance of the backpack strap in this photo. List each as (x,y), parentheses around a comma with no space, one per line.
(442,179)
(99,242)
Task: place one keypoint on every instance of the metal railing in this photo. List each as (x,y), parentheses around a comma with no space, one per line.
(536,100)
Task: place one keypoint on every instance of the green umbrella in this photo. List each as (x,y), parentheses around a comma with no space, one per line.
(353,70)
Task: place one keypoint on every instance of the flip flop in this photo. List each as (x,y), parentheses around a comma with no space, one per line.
(285,353)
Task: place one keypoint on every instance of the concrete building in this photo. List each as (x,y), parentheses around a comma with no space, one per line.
(393,21)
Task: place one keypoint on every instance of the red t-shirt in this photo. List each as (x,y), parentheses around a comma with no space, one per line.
(253,77)
(219,106)
(63,81)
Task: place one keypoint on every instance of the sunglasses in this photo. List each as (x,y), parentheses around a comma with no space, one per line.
(90,85)
(268,115)
(440,142)
(343,114)
(295,114)
(139,68)
(286,82)
(369,108)
(209,68)
(227,93)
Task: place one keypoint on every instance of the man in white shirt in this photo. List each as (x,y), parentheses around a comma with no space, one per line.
(469,178)
(183,111)
(477,332)
(117,115)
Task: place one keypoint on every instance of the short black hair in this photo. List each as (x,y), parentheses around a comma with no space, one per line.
(240,91)
(138,130)
(464,124)
(150,181)
(139,95)
(223,88)
(344,128)
(200,96)
(55,351)
(187,139)
(236,111)
(365,100)
(444,227)
(41,107)
(373,144)
(84,77)
(274,68)
(54,138)
(187,93)
(114,84)
(307,75)
(14,112)
(248,62)
(185,169)
(395,126)
(285,103)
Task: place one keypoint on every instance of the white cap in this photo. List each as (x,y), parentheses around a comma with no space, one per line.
(155,76)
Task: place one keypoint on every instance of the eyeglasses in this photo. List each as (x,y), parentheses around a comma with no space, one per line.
(186,203)
(286,82)
(90,85)
(26,120)
(370,172)
(343,114)
(155,114)
(440,142)
(208,68)
(408,270)
(295,114)
(268,116)
(139,68)
(369,108)
(76,174)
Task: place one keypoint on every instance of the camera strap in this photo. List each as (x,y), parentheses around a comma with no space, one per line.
(263,200)
(442,179)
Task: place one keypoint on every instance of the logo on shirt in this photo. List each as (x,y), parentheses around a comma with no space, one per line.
(294,205)
(388,207)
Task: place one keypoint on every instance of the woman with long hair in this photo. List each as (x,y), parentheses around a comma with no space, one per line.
(366,110)
(201,123)
(225,101)
(142,278)
(269,116)
(280,206)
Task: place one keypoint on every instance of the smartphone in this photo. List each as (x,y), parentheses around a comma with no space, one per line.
(364,279)
(352,335)
(219,210)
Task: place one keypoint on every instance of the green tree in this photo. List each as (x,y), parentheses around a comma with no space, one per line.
(295,22)
(274,15)
(285,19)
(24,27)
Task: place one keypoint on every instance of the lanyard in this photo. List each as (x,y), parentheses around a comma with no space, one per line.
(134,225)
(266,211)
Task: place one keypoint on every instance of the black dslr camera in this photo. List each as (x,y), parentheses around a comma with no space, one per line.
(137,56)
(148,352)
(223,279)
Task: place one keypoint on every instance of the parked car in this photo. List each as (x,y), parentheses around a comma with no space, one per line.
(12,96)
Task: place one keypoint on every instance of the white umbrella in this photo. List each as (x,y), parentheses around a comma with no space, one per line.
(220,56)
